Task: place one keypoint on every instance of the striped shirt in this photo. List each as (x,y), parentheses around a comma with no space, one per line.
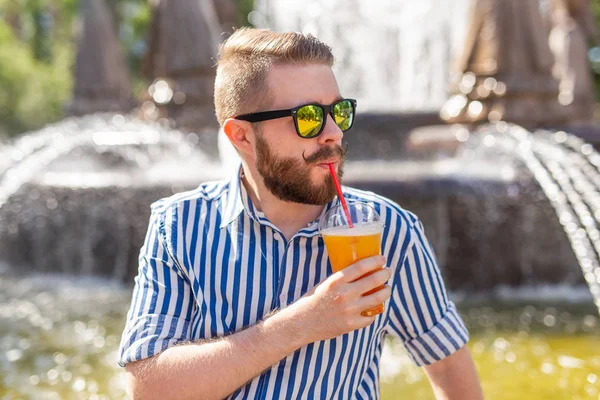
(212,264)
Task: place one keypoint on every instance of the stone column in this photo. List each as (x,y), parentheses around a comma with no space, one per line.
(505,69)
(227,14)
(181,61)
(101,75)
(572,31)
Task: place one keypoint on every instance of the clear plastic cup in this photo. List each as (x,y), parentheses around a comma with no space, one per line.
(347,245)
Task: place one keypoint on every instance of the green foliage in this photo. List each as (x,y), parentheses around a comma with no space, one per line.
(244,7)
(37,48)
(36,56)
(596,10)
(32,91)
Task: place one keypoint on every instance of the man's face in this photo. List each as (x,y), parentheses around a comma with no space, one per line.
(296,169)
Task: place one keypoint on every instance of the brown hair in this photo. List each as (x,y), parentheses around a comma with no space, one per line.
(245,59)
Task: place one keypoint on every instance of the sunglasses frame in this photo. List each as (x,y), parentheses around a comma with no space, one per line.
(293,112)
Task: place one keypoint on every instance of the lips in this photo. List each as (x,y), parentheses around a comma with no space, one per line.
(331,161)
(325,165)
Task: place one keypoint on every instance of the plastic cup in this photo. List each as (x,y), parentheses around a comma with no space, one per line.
(347,245)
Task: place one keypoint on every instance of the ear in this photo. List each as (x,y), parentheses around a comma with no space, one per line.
(240,133)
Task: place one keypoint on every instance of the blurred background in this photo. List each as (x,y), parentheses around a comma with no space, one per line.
(481,116)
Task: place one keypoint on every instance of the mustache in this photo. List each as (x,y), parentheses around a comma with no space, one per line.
(325,153)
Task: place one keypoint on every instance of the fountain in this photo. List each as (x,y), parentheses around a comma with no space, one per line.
(512,214)
(74,196)
(453,176)
(476,200)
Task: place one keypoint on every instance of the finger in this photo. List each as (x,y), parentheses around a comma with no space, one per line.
(360,268)
(369,282)
(374,299)
(362,321)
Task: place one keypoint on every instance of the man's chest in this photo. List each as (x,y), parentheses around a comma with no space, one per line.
(241,277)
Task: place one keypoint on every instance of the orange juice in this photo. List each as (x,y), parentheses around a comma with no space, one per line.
(349,245)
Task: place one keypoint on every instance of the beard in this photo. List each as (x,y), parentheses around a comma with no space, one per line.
(289,179)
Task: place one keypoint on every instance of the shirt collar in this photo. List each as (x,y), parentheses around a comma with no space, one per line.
(238,200)
(234,204)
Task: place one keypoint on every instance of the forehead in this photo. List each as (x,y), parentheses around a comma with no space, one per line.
(292,85)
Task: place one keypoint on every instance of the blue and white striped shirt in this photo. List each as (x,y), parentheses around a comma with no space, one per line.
(212,264)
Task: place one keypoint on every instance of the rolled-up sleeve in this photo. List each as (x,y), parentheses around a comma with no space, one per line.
(162,303)
(421,315)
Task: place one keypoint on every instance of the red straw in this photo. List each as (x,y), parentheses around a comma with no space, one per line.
(340,194)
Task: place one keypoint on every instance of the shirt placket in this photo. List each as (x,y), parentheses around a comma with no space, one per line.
(280,292)
(292,273)
(285,263)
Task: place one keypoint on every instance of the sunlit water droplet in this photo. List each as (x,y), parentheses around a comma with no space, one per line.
(78,385)
(14,355)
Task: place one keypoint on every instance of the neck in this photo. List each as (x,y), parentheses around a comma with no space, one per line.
(288,217)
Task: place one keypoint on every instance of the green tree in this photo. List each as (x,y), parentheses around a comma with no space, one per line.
(596,10)
(37,48)
(244,7)
(34,81)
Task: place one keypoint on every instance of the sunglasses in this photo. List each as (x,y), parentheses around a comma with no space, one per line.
(310,119)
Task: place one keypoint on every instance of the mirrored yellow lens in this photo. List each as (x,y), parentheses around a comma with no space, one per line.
(343,114)
(310,119)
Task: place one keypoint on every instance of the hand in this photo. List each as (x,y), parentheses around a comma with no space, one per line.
(334,306)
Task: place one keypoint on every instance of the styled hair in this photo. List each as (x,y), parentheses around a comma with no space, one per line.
(245,59)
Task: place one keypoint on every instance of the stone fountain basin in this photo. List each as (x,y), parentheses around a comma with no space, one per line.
(488,223)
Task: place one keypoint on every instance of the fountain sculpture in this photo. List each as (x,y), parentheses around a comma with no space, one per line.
(101,76)
(501,75)
(182,48)
(572,29)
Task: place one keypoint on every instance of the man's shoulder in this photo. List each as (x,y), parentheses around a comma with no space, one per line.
(207,192)
(381,203)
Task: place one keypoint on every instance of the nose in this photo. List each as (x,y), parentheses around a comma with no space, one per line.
(332,134)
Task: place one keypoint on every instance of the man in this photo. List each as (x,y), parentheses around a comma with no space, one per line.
(235,296)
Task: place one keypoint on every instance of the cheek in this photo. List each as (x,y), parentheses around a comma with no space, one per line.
(279,149)
(284,142)
(282,136)
(292,148)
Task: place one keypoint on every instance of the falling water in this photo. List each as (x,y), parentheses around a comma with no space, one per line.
(400,51)
(32,154)
(48,223)
(567,169)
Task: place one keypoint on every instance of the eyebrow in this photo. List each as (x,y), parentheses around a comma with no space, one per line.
(322,103)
